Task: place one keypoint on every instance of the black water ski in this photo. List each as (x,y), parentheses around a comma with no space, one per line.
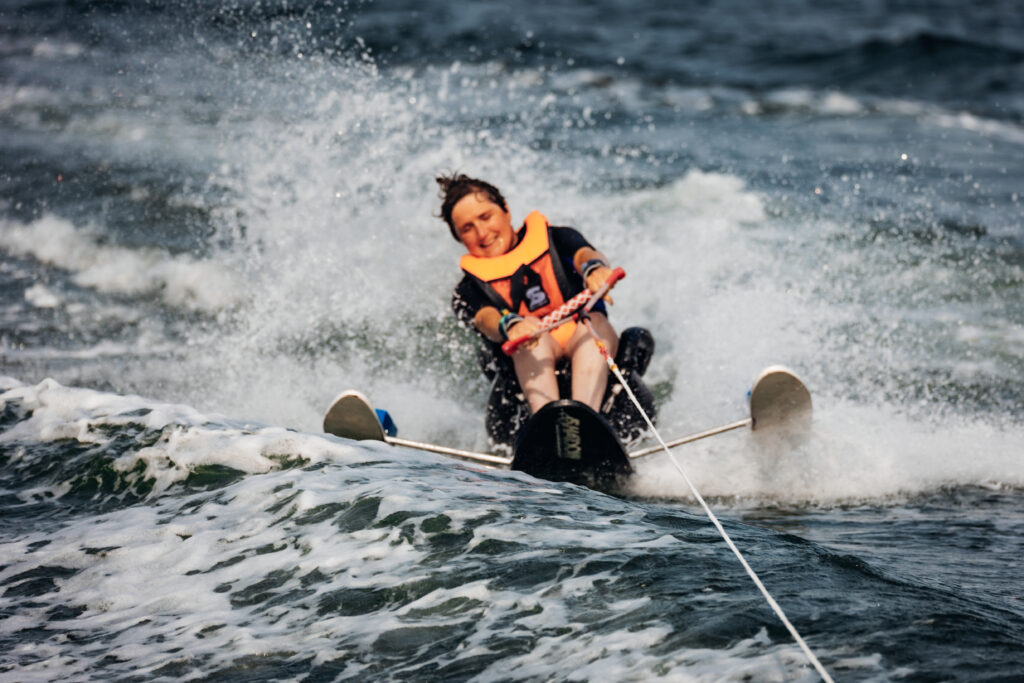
(568,441)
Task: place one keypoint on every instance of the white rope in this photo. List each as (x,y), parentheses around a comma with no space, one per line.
(711,515)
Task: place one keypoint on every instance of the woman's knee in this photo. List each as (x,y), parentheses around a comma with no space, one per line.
(583,342)
(538,359)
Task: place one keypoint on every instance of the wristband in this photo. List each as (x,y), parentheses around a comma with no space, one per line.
(507,321)
(589,266)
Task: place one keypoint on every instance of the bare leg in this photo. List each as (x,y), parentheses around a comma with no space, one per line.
(589,368)
(535,369)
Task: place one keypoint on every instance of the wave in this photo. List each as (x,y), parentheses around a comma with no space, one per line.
(106,450)
(364,559)
(907,50)
(836,464)
(101,450)
(353,571)
(178,280)
(338,274)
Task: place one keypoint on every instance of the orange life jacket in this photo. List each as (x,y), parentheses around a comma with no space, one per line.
(529,279)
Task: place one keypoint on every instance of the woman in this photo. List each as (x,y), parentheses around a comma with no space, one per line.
(515,277)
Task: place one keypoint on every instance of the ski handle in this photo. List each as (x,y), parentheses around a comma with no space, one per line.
(511,345)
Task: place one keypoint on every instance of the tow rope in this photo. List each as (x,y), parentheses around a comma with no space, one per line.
(571,310)
(585,319)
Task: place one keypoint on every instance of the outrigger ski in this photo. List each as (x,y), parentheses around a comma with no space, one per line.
(568,441)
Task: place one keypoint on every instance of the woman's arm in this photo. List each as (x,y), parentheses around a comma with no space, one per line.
(488,319)
(597,273)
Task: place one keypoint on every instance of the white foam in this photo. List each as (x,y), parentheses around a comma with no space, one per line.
(51,49)
(826,103)
(142,347)
(852,453)
(167,581)
(27,97)
(186,439)
(7,383)
(41,297)
(700,197)
(1000,130)
(179,280)
(839,103)
(725,288)
(347,272)
(796,98)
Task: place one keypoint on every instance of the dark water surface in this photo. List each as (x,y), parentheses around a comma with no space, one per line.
(214,216)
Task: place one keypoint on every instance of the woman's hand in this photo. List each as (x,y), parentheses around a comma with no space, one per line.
(596,278)
(488,320)
(523,328)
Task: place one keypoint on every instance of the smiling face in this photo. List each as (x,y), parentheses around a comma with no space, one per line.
(482,226)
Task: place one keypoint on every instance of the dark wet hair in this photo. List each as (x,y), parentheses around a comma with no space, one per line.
(456,186)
